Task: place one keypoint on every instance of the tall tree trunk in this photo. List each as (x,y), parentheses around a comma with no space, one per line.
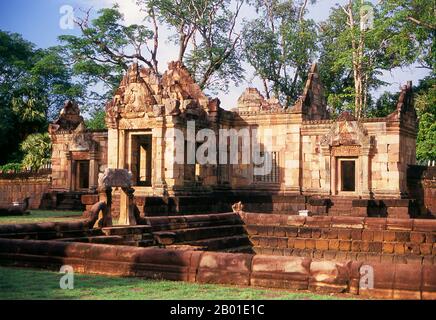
(265,86)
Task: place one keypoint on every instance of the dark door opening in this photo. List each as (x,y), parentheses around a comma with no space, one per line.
(144,161)
(348,175)
(82,181)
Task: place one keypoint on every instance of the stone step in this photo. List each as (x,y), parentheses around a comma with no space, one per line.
(195,221)
(126,230)
(192,234)
(97,239)
(213,244)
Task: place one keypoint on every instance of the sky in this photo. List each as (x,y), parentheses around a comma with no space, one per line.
(39,22)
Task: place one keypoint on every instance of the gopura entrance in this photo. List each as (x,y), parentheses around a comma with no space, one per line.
(141,164)
(347,174)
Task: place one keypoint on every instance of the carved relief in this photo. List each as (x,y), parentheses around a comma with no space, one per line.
(346,133)
(144,95)
(346,151)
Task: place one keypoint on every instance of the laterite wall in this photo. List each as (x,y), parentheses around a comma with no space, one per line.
(399,281)
(17,188)
(378,240)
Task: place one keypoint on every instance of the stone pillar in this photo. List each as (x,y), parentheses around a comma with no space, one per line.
(127,207)
(112,150)
(158,163)
(122,149)
(69,171)
(325,150)
(333,176)
(364,173)
(93,171)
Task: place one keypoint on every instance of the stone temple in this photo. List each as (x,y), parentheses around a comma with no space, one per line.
(341,208)
(340,166)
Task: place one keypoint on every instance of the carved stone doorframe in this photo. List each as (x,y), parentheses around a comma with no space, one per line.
(346,139)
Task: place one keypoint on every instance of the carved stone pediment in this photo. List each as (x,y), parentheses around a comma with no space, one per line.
(143,94)
(137,101)
(82,140)
(346,133)
(79,142)
(69,118)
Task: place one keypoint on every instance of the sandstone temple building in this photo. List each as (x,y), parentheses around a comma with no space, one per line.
(327,166)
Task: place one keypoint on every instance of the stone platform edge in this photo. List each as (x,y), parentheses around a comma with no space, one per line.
(389,282)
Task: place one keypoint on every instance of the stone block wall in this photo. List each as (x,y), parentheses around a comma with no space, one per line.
(399,281)
(379,240)
(17,188)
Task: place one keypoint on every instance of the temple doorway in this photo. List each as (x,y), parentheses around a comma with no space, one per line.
(82,175)
(142,160)
(347,175)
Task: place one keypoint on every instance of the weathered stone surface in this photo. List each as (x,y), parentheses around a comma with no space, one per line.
(225,268)
(328,276)
(115,178)
(280,272)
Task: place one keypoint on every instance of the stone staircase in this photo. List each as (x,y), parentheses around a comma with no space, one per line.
(211,232)
(138,236)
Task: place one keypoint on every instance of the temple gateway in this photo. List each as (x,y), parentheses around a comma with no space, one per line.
(342,166)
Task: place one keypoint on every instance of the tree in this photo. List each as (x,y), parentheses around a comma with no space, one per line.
(33,84)
(207,37)
(385,105)
(37,150)
(414,23)
(360,41)
(105,50)
(280,45)
(97,120)
(425,103)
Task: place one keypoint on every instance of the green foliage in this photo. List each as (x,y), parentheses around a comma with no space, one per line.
(425,102)
(413,29)
(402,34)
(11,167)
(37,150)
(33,85)
(384,106)
(280,47)
(98,55)
(97,121)
(205,33)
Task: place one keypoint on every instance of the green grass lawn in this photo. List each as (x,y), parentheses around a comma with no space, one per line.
(38,216)
(17,284)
